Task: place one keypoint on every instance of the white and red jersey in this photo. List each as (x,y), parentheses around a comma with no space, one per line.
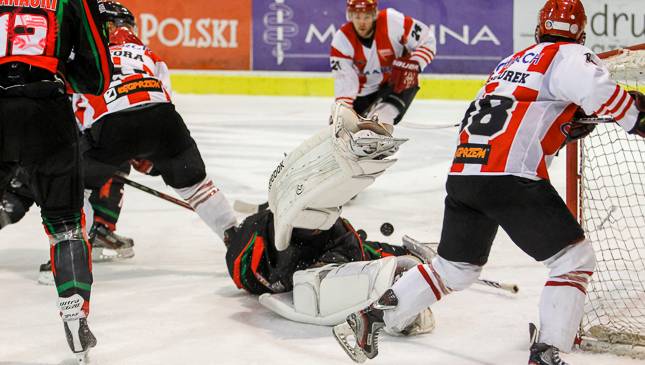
(360,70)
(140,77)
(514,125)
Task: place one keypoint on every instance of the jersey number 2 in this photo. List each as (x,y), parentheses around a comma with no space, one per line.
(28,34)
(487,116)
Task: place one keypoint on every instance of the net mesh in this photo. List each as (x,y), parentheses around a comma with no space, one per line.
(612,212)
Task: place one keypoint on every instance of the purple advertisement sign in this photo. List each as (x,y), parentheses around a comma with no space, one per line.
(295,35)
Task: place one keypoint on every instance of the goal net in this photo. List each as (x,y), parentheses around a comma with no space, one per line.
(611,203)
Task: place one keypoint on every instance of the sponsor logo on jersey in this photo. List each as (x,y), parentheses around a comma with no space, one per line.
(37,4)
(472,153)
(131,87)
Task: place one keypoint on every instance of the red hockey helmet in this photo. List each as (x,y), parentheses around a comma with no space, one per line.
(362,5)
(562,18)
(124,35)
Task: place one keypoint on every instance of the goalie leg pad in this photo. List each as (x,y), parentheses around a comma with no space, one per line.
(563,296)
(326,295)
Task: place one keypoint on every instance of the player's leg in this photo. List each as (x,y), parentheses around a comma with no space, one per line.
(541,225)
(390,107)
(181,166)
(57,186)
(106,204)
(466,239)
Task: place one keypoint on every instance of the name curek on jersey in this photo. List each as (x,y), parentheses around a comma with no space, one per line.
(514,125)
(359,70)
(140,77)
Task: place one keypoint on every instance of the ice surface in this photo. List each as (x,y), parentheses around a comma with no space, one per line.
(174,303)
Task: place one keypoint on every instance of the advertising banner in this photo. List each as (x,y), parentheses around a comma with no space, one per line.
(295,35)
(196,34)
(611,24)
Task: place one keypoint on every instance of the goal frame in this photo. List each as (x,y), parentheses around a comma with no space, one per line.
(574,203)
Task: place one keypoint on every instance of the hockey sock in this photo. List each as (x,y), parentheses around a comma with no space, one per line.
(70,257)
(563,297)
(210,204)
(106,203)
(424,285)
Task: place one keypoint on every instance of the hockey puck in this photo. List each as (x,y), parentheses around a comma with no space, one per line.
(387,229)
(362,234)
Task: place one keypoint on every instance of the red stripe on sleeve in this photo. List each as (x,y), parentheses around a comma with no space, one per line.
(407,27)
(609,101)
(629,105)
(336,53)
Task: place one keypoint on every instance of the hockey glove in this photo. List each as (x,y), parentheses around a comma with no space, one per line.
(405,74)
(639,100)
(574,130)
(144,167)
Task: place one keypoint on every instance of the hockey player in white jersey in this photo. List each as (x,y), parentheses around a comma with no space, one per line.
(376,59)
(135,119)
(518,121)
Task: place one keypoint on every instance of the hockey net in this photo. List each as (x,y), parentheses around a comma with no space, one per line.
(609,197)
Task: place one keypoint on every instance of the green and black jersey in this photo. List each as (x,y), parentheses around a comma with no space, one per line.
(64,37)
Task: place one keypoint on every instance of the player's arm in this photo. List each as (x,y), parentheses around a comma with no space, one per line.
(345,74)
(580,77)
(418,41)
(90,71)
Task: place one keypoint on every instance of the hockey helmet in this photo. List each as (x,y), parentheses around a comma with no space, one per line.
(118,14)
(362,5)
(124,35)
(562,18)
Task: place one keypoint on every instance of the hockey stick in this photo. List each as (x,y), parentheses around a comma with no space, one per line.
(596,120)
(427,251)
(122,176)
(241,206)
(429,126)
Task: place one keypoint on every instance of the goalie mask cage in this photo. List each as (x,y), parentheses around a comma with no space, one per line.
(606,191)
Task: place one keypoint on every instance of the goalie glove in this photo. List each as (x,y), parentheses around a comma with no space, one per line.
(639,100)
(144,166)
(405,74)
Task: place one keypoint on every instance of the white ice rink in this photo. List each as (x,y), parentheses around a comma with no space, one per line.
(174,303)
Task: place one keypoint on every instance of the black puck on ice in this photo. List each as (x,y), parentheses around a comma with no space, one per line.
(362,234)
(387,229)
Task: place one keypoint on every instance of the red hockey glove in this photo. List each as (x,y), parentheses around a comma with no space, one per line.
(639,100)
(405,74)
(143,166)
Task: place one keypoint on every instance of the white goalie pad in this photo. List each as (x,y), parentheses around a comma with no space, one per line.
(309,187)
(327,295)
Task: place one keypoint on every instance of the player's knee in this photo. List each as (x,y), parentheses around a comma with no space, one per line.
(576,257)
(456,275)
(184,170)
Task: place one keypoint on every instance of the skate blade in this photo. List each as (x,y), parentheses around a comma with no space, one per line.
(100,254)
(341,333)
(46,278)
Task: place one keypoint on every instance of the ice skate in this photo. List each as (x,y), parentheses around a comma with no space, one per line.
(423,251)
(108,246)
(365,326)
(79,338)
(45,275)
(541,353)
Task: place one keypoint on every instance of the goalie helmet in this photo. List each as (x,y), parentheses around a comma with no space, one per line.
(118,14)
(562,18)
